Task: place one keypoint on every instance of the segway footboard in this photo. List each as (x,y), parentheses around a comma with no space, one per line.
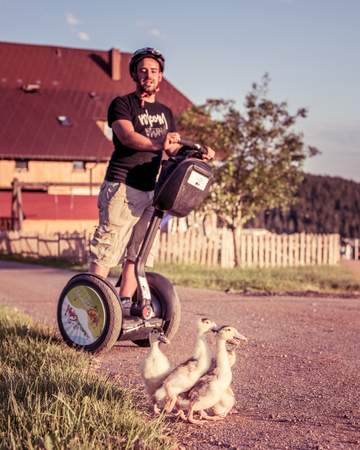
(166,306)
(89,314)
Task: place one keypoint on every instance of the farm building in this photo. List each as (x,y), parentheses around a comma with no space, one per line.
(54,139)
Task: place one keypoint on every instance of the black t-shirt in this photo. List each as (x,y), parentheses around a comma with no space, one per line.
(136,168)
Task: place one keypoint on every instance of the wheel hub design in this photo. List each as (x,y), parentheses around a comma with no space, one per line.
(83,315)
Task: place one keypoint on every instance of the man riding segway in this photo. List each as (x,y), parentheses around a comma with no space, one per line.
(143,128)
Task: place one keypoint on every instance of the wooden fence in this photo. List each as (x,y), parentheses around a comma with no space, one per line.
(70,246)
(193,247)
(254,250)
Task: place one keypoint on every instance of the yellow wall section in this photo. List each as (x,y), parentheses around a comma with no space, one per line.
(59,226)
(51,172)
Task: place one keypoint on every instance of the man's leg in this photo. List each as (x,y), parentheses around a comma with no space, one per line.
(116,221)
(99,270)
(143,202)
(128,280)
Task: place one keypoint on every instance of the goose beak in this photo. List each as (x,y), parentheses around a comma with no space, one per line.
(215,329)
(164,339)
(237,339)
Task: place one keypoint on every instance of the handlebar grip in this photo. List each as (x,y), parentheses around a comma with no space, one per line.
(192,145)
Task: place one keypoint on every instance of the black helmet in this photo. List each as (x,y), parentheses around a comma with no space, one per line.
(146,52)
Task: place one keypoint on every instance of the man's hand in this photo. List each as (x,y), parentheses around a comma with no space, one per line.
(171,143)
(210,153)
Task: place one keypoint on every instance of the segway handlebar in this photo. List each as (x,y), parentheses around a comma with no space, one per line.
(191,149)
(190,144)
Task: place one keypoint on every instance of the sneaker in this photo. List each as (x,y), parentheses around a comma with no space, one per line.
(126,306)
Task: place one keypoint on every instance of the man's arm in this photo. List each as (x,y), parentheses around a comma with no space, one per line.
(125,132)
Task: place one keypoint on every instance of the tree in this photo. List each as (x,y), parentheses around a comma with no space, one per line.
(323,204)
(262,156)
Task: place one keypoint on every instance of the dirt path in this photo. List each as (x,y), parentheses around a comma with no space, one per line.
(297,382)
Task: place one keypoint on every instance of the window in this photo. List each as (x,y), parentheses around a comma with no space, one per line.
(94,95)
(21,165)
(31,88)
(64,121)
(79,166)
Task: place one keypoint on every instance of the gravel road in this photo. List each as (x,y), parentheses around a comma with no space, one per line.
(297,381)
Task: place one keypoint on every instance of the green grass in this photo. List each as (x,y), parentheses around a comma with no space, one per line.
(320,279)
(52,398)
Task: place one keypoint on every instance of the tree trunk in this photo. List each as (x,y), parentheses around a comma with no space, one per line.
(235,247)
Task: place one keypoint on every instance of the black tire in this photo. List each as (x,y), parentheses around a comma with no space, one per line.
(96,332)
(164,292)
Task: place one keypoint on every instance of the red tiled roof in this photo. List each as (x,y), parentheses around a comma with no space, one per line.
(42,206)
(29,125)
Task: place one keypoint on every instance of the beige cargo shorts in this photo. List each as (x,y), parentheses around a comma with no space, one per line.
(124,213)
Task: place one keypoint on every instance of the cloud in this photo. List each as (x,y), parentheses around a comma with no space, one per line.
(73,23)
(72,20)
(155,32)
(83,36)
(149,28)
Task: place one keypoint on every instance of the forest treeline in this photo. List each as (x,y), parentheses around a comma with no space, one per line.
(323,204)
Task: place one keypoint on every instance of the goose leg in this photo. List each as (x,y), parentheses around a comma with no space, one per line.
(171,398)
(181,414)
(191,417)
(204,415)
(214,418)
(170,405)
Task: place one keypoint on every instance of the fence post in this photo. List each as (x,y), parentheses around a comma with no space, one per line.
(331,251)
(285,250)
(335,248)
(261,251)
(248,250)
(227,248)
(242,249)
(17,214)
(255,250)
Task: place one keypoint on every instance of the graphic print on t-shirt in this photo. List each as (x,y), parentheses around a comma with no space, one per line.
(155,125)
(130,166)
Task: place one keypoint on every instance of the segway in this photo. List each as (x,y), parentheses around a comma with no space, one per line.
(90,314)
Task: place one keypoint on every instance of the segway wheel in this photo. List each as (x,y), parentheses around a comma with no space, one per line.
(166,305)
(89,313)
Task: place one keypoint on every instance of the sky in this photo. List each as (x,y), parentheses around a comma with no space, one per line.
(309,48)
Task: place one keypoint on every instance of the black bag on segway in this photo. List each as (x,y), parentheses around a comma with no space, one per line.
(182,187)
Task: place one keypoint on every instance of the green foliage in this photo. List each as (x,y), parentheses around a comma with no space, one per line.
(322,204)
(262,154)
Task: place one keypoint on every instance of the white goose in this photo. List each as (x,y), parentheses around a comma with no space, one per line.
(185,375)
(156,365)
(224,405)
(210,389)
(227,401)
